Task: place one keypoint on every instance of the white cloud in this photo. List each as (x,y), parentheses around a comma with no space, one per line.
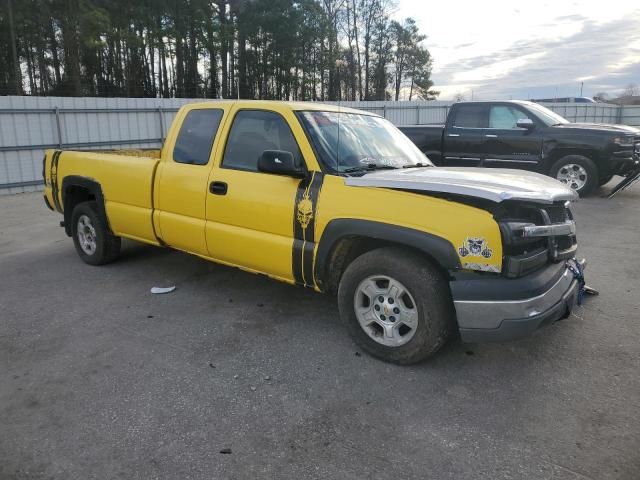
(501,48)
(495,70)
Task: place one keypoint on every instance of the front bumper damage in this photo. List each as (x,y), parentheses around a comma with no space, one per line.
(503,309)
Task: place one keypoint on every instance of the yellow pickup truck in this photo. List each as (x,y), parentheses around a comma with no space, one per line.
(337,200)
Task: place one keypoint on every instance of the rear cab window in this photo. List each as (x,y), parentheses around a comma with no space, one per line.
(506,117)
(470,116)
(195,138)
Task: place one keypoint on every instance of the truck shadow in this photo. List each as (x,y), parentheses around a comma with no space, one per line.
(257,306)
(133,251)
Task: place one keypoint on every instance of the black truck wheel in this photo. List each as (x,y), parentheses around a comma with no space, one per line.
(396,305)
(91,237)
(577,172)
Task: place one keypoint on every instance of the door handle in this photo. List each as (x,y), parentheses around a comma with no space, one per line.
(491,135)
(453,135)
(218,188)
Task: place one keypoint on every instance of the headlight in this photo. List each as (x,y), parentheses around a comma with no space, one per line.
(623,141)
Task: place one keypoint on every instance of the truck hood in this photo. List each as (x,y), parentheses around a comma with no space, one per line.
(495,184)
(601,127)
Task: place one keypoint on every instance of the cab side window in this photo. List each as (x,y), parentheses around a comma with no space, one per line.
(196,135)
(505,117)
(470,116)
(253,132)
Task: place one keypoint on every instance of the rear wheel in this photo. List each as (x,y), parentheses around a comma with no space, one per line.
(91,237)
(396,305)
(577,172)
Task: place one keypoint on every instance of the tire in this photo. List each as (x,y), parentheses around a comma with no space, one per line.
(604,180)
(585,171)
(91,237)
(383,273)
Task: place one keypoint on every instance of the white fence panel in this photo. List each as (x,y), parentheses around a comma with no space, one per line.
(29,125)
(586,112)
(630,115)
(405,113)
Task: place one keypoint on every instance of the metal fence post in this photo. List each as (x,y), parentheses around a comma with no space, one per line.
(619,114)
(417,114)
(161,118)
(56,110)
(384,111)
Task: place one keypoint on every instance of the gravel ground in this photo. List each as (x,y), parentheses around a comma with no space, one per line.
(99,379)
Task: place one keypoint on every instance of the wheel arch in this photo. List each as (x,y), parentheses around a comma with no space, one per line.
(560,152)
(77,189)
(343,240)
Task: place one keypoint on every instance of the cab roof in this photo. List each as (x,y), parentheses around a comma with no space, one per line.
(278,104)
(494,102)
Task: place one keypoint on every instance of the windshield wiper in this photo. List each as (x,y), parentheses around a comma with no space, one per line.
(368,167)
(417,165)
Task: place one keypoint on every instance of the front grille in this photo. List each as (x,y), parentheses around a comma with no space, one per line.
(557,213)
(523,255)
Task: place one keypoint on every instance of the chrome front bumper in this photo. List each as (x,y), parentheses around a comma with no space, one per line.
(501,320)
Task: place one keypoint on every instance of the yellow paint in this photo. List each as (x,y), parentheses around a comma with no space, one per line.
(126,184)
(449,220)
(252,225)
(181,193)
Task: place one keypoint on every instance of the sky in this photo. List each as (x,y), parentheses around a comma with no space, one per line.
(502,49)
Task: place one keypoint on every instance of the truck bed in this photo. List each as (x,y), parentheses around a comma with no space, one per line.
(125,178)
(132,152)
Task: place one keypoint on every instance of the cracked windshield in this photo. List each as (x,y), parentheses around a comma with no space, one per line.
(350,142)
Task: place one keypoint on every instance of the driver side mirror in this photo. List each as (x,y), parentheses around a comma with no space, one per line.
(281,163)
(525,123)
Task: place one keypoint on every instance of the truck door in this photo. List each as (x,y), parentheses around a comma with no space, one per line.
(464,135)
(250,214)
(506,145)
(182,181)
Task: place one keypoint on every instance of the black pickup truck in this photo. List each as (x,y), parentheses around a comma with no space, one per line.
(526,135)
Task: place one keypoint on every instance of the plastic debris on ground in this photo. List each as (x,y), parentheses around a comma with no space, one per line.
(161,290)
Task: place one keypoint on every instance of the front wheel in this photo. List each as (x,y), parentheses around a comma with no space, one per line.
(577,172)
(91,237)
(396,305)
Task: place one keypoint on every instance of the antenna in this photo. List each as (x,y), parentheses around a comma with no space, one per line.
(339,120)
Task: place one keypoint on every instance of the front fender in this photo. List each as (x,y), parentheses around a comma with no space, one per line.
(437,248)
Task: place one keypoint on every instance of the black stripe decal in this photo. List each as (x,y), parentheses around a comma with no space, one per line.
(310,240)
(304,219)
(298,234)
(55,160)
